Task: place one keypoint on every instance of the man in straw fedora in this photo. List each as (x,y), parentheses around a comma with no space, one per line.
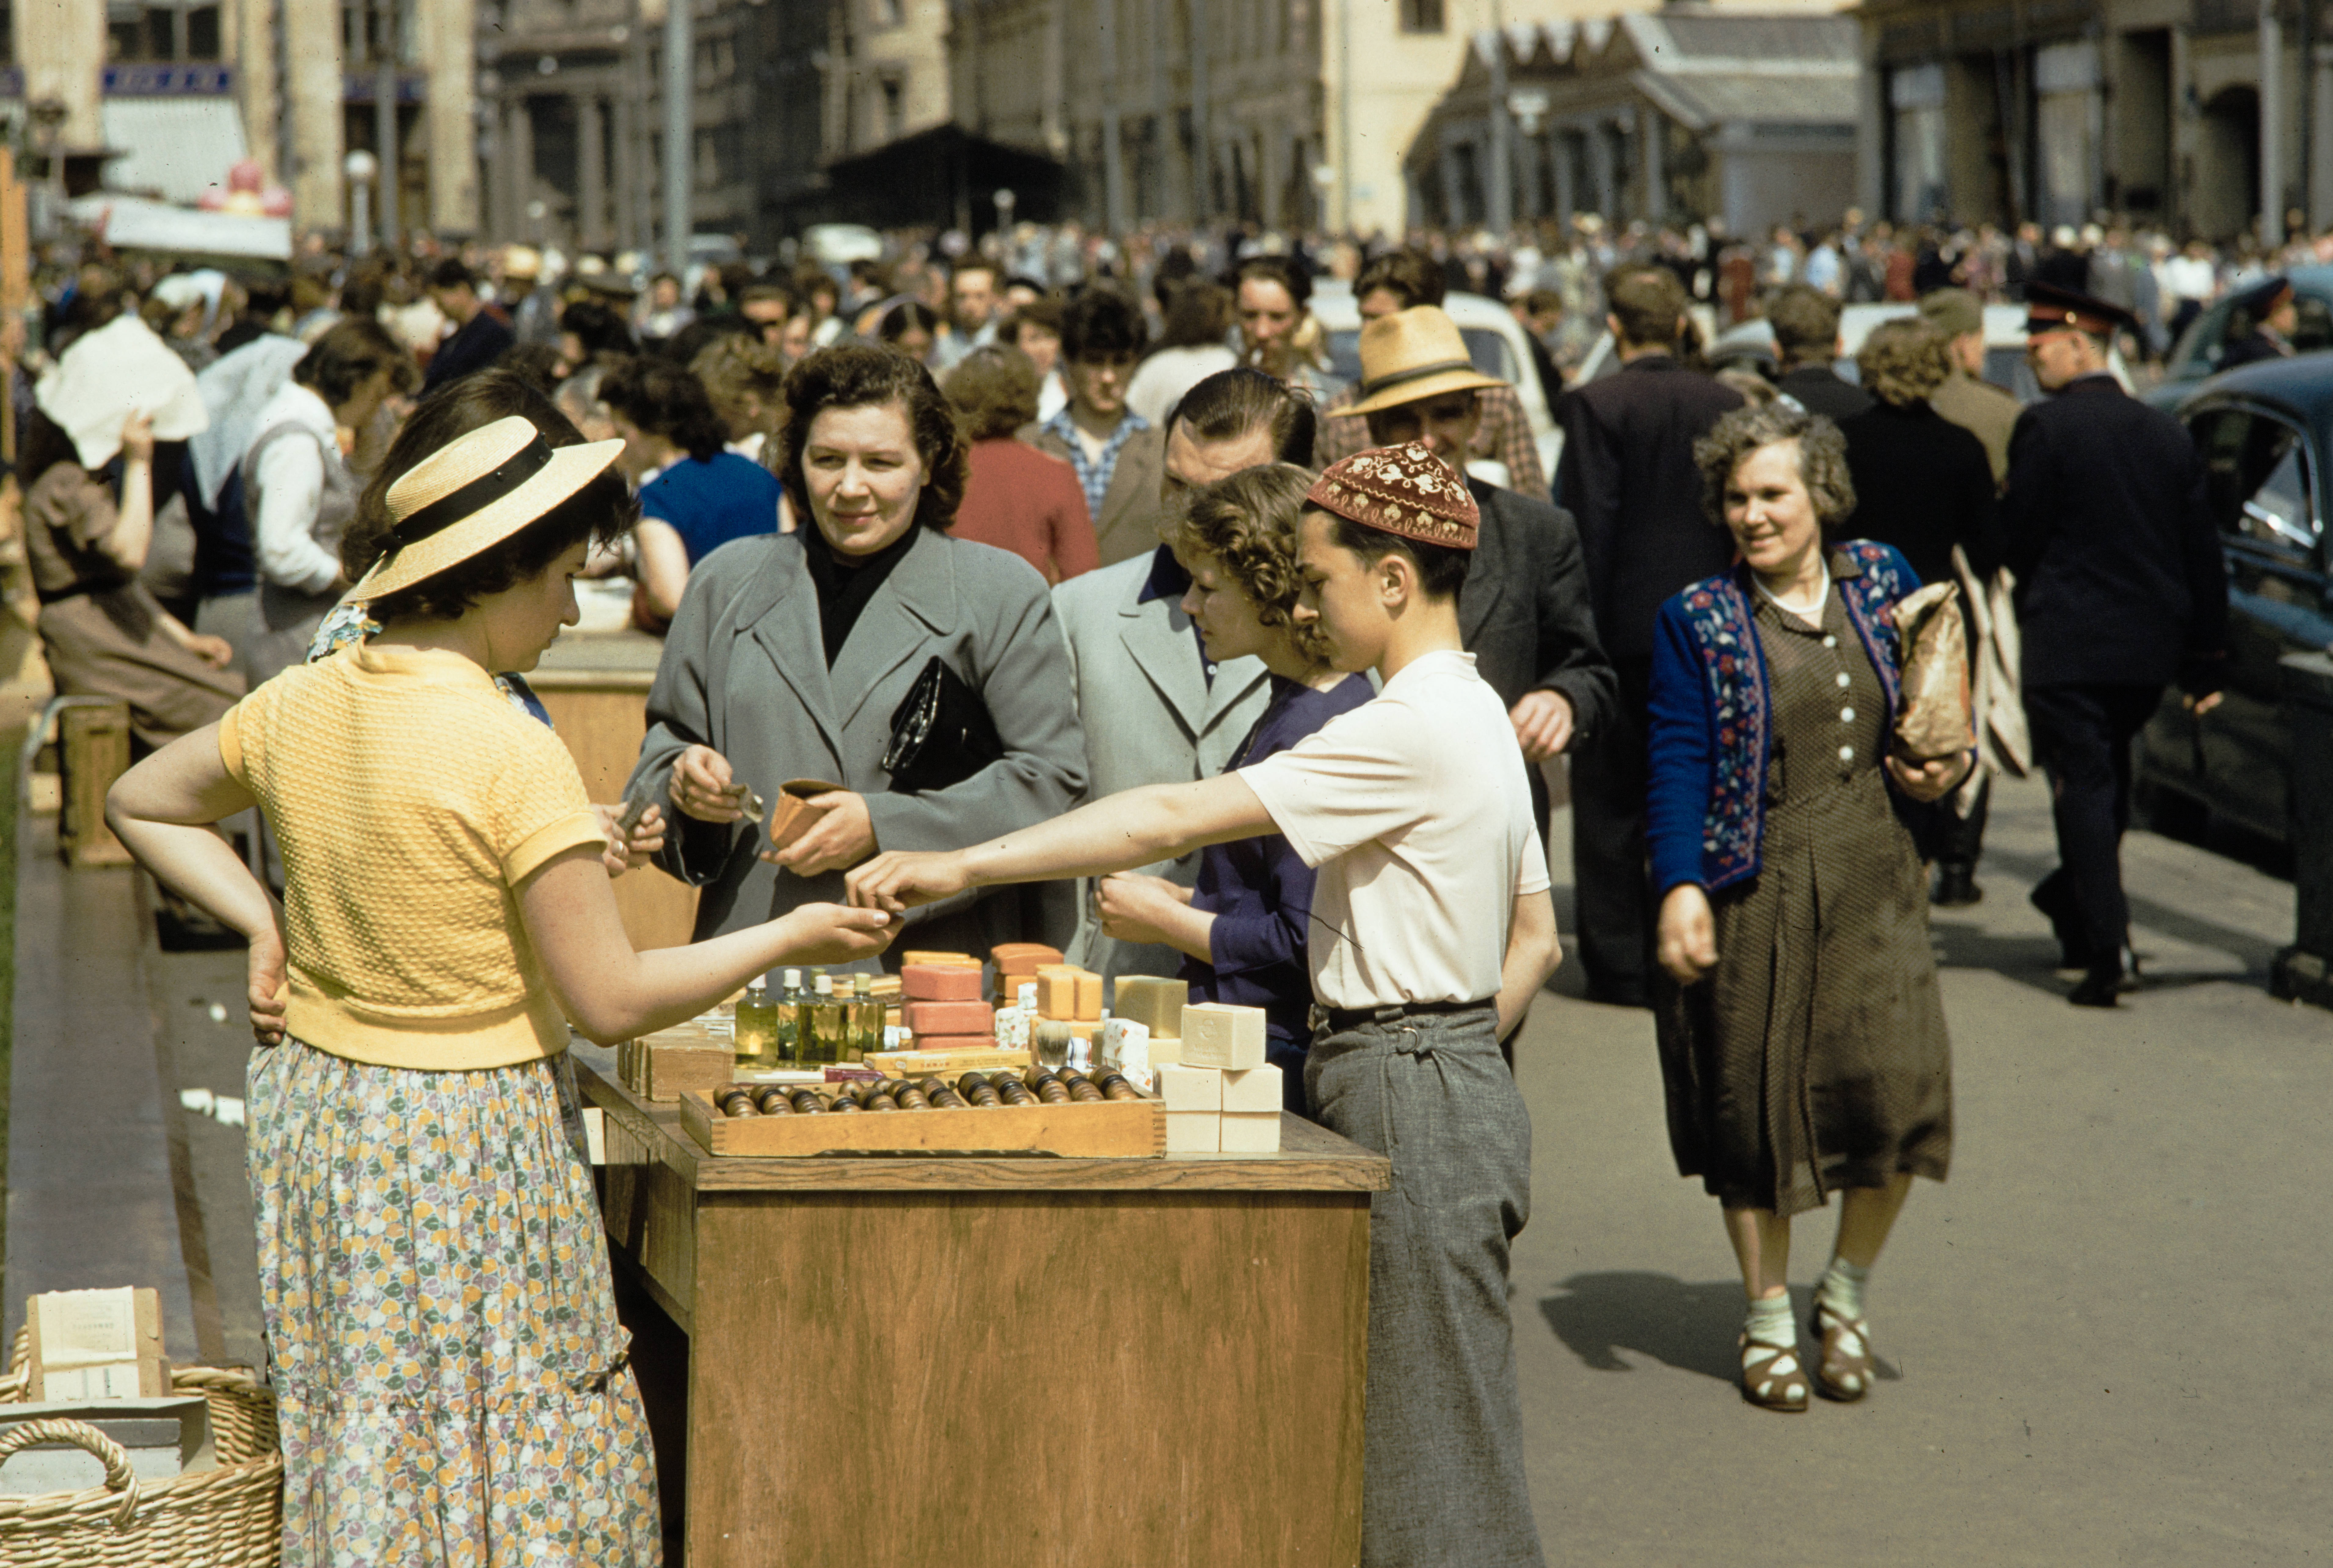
(450,1373)
(1524,612)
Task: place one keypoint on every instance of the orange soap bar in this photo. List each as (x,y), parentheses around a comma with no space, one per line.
(1023,957)
(959,960)
(1088,996)
(1057,995)
(939,983)
(950,1018)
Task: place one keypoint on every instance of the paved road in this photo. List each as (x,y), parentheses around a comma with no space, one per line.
(2108,1331)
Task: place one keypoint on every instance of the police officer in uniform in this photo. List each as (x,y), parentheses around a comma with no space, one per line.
(2120,591)
(2275,315)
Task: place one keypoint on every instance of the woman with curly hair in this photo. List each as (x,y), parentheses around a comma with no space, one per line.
(792,653)
(1017,498)
(1244,925)
(1802,1039)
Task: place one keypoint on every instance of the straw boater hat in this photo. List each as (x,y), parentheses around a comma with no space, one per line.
(1412,355)
(471,495)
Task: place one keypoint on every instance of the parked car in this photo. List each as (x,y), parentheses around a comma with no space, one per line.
(1495,341)
(2195,356)
(1752,344)
(2266,435)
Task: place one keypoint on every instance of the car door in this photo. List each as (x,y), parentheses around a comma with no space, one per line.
(2265,483)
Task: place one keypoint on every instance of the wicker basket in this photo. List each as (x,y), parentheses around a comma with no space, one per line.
(230,1517)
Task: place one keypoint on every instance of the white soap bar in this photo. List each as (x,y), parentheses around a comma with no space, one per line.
(1193,1132)
(1215,1035)
(1246,1132)
(1012,1027)
(1191,1089)
(1257,1089)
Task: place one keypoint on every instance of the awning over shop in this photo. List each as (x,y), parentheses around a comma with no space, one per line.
(134,223)
(175,146)
(942,177)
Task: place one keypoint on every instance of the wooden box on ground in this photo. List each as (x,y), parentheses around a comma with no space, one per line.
(92,751)
(1107,1128)
(835,1352)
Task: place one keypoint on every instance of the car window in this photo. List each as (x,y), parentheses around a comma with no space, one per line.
(2316,328)
(2260,485)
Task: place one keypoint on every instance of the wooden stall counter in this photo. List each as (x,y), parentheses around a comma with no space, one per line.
(1045,1362)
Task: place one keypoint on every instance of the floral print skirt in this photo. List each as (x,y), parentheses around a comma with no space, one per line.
(450,1378)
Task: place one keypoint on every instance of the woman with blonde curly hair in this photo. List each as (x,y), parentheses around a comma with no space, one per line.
(1243,925)
(1801,1035)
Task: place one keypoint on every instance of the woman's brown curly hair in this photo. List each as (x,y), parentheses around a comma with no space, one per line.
(854,376)
(994,389)
(1903,362)
(1822,457)
(1247,523)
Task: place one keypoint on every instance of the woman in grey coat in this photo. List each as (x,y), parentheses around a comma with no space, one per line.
(790,653)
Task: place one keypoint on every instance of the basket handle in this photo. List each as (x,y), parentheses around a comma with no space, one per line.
(118,1477)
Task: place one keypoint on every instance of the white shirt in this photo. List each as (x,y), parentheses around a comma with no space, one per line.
(291,477)
(1415,811)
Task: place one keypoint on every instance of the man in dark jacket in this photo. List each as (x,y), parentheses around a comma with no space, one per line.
(1628,479)
(1806,340)
(480,336)
(2274,315)
(2120,590)
(1525,611)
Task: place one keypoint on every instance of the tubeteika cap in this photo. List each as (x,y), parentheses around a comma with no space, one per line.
(1404,490)
(471,495)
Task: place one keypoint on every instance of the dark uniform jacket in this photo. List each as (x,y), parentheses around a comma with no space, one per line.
(2119,576)
(1819,389)
(1627,478)
(1923,485)
(1524,612)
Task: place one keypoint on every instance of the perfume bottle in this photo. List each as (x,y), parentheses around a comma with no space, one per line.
(845,996)
(823,1031)
(756,1026)
(790,1020)
(866,1020)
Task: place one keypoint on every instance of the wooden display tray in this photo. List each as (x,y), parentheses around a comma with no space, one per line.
(1107,1128)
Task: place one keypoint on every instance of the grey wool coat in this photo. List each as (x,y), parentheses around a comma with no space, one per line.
(744,672)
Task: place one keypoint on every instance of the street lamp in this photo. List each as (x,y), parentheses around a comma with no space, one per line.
(1005,201)
(361,166)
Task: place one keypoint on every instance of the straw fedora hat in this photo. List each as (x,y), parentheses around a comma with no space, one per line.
(471,495)
(1411,355)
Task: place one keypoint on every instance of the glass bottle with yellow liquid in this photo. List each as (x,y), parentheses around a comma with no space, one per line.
(790,1020)
(756,1027)
(866,1020)
(822,1029)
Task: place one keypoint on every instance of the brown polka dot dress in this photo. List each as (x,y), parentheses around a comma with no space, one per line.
(1814,1057)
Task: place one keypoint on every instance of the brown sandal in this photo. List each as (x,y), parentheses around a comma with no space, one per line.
(1772,1378)
(1845,1371)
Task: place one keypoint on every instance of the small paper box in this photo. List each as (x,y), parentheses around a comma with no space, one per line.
(1151,1002)
(793,815)
(1013,1026)
(96,1344)
(1258,1088)
(940,983)
(950,1018)
(1244,1131)
(1057,996)
(1089,987)
(1193,1132)
(1115,1036)
(1215,1035)
(1190,1089)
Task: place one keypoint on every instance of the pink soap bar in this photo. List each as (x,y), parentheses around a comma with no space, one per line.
(955,1042)
(940,983)
(950,1018)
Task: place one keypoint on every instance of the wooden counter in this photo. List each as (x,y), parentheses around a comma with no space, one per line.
(1040,1362)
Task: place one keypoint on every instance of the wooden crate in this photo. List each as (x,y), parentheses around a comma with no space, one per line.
(92,751)
(1107,1128)
(659,1066)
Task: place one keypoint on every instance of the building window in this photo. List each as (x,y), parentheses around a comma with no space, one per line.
(203,33)
(895,108)
(1421,15)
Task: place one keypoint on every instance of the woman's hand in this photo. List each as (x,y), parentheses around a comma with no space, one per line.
(138,436)
(1131,906)
(843,837)
(1543,721)
(832,933)
(903,878)
(1688,945)
(266,989)
(1931,780)
(702,786)
(216,651)
(636,848)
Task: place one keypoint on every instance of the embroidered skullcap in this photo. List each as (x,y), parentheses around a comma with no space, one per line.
(1404,490)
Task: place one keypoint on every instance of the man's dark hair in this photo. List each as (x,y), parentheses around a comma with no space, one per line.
(1413,276)
(601,511)
(666,400)
(1174,268)
(1277,269)
(1046,314)
(1648,301)
(1102,323)
(1441,570)
(856,376)
(600,330)
(344,358)
(451,274)
(1230,403)
(1806,324)
(1198,314)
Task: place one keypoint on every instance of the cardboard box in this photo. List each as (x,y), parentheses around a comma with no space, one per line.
(1257,1089)
(1193,1132)
(663,1067)
(1190,1089)
(979,1057)
(163,1438)
(1155,1003)
(92,751)
(96,1344)
(1215,1035)
(950,1018)
(940,983)
(1249,1132)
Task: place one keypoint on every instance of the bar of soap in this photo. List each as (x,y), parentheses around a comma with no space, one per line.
(1024,957)
(1057,995)
(1215,1035)
(940,983)
(1247,1131)
(1155,1003)
(1187,1089)
(950,1018)
(955,1042)
(1089,997)
(1118,1035)
(1258,1088)
(1193,1132)
(954,960)
(1012,1027)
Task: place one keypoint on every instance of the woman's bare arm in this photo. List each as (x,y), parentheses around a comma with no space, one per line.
(663,564)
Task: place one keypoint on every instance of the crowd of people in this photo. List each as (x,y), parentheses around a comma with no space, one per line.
(1259,670)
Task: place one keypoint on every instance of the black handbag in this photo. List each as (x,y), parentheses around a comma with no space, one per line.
(941,735)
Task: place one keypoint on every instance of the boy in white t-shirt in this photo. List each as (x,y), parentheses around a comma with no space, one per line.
(1433,930)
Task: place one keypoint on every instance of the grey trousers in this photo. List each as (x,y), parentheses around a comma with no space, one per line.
(1441,1481)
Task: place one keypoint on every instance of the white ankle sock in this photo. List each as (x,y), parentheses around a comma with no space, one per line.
(1769,1321)
(1841,1288)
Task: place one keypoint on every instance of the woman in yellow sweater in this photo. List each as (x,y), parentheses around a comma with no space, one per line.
(440,1320)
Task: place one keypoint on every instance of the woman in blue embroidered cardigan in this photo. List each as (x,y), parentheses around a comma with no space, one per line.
(1802,1040)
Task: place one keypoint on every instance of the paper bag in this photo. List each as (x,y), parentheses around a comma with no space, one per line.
(1933,718)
